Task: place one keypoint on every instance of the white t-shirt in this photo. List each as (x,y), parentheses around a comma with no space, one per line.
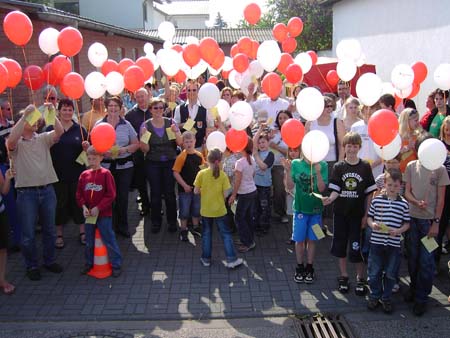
(248,172)
(272,107)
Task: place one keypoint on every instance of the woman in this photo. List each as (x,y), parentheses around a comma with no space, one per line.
(409,130)
(226,94)
(159,140)
(292,100)
(432,121)
(64,157)
(172,100)
(119,161)
(352,114)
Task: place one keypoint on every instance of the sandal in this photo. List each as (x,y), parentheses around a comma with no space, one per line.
(59,243)
(82,238)
(8,289)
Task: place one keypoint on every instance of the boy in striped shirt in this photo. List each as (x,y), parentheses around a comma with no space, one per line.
(388,217)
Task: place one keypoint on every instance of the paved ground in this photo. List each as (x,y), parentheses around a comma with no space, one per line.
(163,280)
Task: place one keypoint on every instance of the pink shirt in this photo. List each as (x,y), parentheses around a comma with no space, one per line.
(248,172)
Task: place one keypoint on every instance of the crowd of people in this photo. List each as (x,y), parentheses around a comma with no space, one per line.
(369,206)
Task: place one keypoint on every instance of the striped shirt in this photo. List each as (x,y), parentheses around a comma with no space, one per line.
(393,213)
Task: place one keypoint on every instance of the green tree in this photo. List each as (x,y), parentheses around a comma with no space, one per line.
(317,21)
(219,22)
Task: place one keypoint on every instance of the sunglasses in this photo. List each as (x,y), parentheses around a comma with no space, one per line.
(191,90)
(329,106)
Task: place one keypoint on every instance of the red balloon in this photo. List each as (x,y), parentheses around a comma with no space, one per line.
(285,60)
(133,78)
(218,60)
(313,56)
(124,64)
(18,28)
(146,65)
(289,45)
(208,49)
(14,72)
(191,54)
(272,85)
(213,80)
(415,90)
(61,66)
(295,26)
(70,41)
(177,48)
(245,45)
(252,13)
(33,77)
(49,76)
(420,71)
(236,140)
(180,77)
(383,127)
(103,137)
(294,73)
(226,73)
(332,78)
(234,50)
(255,46)
(280,32)
(3,78)
(109,66)
(292,132)
(72,85)
(240,62)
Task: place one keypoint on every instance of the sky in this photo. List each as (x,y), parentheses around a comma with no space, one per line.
(231,10)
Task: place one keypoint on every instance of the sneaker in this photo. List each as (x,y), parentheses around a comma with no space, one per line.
(284,219)
(343,284)
(205,261)
(234,264)
(360,288)
(86,269)
(419,309)
(299,276)
(409,296)
(54,267)
(372,304)
(116,272)
(387,306)
(34,274)
(396,288)
(243,248)
(184,236)
(309,276)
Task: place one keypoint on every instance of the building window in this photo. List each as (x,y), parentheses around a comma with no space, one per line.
(120,53)
(68,6)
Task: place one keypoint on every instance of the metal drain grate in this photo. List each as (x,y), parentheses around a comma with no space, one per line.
(323,326)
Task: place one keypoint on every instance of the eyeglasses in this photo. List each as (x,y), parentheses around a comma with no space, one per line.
(159,107)
(329,106)
(191,90)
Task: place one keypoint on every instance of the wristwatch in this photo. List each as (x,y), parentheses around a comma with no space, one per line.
(437,220)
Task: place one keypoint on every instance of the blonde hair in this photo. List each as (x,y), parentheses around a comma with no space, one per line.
(403,121)
(445,123)
(188,135)
(349,101)
(214,158)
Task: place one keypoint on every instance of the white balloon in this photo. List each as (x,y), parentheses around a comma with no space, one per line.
(148,48)
(227,64)
(402,76)
(95,85)
(241,115)
(166,30)
(194,72)
(389,151)
(361,61)
(223,108)
(404,93)
(442,76)
(216,140)
(48,41)
(192,39)
(208,95)
(234,78)
(315,145)
(256,69)
(269,55)
(167,44)
(387,88)
(114,83)
(349,49)
(246,79)
(213,71)
(368,88)
(432,153)
(170,61)
(97,54)
(304,61)
(154,60)
(310,103)
(346,69)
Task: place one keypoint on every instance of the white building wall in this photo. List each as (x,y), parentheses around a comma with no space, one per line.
(127,14)
(397,31)
(189,22)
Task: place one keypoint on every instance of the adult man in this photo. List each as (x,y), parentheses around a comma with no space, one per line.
(343,91)
(35,174)
(96,113)
(191,110)
(137,116)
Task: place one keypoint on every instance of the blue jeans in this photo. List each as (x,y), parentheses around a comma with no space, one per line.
(37,203)
(189,205)
(244,218)
(382,259)
(104,225)
(421,263)
(160,177)
(225,233)
(122,178)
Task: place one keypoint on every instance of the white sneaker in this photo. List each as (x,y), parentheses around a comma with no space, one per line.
(396,288)
(204,261)
(234,264)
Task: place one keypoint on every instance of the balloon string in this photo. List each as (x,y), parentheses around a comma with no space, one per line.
(48,79)
(10,99)
(29,79)
(91,117)
(79,120)
(323,78)
(312,178)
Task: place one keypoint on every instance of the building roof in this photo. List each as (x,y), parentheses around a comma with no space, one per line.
(186,8)
(222,36)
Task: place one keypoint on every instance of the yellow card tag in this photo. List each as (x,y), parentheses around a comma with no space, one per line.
(429,243)
(172,105)
(202,166)
(214,112)
(82,159)
(233,207)
(33,117)
(318,231)
(269,120)
(319,196)
(114,151)
(91,220)
(49,116)
(146,136)
(170,134)
(383,228)
(193,131)
(189,124)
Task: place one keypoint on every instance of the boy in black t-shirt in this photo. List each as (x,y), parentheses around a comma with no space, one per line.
(351,185)
(185,169)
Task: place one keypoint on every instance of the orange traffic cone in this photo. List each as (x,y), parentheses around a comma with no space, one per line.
(102,268)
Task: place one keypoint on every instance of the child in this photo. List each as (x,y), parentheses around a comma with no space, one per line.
(351,185)
(5,184)
(264,159)
(228,167)
(213,186)
(245,191)
(425,192)
(185,168)
(307,211)
(292,154)
(96,192)
(388,165)
(388,218)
